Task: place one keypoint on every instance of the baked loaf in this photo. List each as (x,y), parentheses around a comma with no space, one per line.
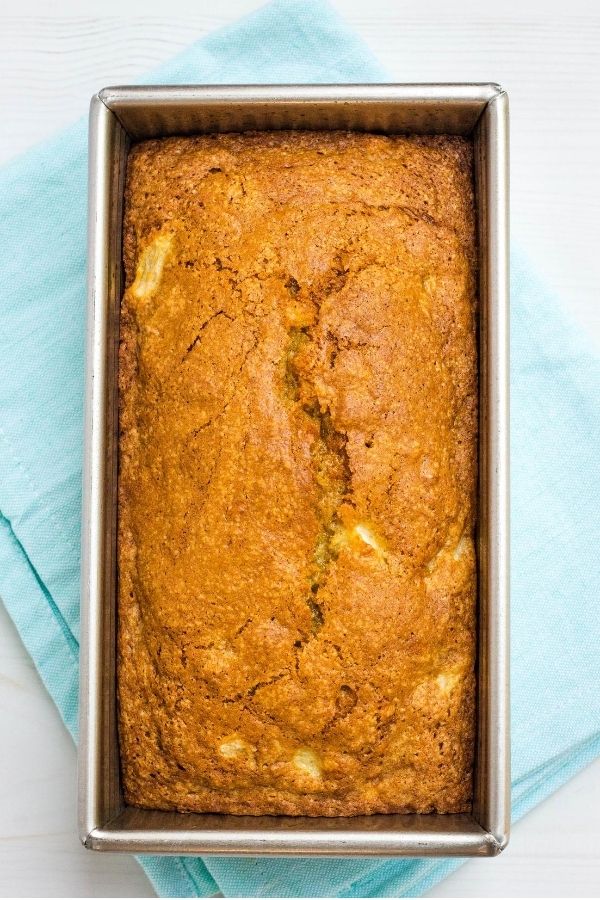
(297,475)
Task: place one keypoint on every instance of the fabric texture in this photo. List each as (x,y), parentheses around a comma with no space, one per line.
(555,380)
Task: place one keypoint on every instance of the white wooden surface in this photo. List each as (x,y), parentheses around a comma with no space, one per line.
(53,55)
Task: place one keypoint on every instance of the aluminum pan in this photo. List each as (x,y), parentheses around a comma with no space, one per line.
(117,116)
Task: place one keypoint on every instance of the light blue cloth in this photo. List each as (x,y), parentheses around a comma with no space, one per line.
(555,464)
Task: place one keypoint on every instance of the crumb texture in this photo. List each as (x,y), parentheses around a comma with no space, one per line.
(297,475)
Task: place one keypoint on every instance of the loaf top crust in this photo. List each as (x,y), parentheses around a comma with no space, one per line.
(297,474)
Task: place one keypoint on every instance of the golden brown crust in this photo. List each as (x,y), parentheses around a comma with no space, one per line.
(297,474)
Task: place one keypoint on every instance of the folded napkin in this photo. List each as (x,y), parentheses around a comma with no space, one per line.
(555,464)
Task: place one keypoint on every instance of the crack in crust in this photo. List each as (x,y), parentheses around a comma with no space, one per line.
(332,472)
(204,325)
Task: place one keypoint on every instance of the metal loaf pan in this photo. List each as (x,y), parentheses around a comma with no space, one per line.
(120,116)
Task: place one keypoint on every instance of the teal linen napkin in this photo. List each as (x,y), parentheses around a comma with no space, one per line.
(555,464)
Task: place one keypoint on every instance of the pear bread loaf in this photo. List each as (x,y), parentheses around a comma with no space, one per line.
(297,474)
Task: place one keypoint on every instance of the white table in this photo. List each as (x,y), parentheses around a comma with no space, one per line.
(53,56)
